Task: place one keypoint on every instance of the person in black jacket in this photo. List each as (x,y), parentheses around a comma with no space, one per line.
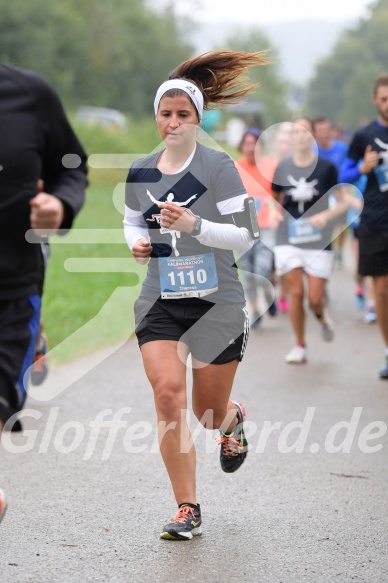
(37,142)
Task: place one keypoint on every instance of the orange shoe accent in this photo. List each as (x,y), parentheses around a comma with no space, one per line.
(232,446)
(183,514)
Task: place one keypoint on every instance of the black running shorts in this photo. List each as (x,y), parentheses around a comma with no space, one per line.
(373,252)
(214,333)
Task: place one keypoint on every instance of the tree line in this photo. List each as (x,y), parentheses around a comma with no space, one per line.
(116,53)
(111,54)
(342,85)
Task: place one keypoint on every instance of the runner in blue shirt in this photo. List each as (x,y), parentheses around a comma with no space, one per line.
(333,150)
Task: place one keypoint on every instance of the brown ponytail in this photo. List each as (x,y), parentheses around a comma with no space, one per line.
(216,73)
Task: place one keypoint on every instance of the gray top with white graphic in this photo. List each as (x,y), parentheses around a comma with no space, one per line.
(306,193)
(210,178)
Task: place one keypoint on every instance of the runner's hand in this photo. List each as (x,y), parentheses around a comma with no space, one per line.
(47,213)
(319,221)
(176,217)
(141,251)
(370,161)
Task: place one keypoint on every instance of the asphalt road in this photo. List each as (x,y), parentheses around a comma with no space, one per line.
(310,504)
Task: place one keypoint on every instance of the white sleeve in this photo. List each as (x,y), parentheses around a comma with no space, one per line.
(232,205)
(135,227)
(225,236)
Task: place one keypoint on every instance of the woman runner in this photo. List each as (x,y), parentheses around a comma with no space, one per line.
(184,216)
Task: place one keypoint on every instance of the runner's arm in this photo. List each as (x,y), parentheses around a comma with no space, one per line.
(349,171)
(135,227)
(223,235)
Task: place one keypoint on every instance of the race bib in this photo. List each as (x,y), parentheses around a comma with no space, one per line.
(381,172)
(193,276)
(301,231)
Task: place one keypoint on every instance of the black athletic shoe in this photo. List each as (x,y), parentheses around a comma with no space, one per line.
(273,310)
(234,446)
(383,374)
(272,307)
(185,524)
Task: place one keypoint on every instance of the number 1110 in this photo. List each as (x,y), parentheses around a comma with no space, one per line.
(199,275)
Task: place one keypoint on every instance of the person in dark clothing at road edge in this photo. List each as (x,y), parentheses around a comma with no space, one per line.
(37,142)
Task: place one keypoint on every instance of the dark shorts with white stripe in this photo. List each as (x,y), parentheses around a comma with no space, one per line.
(214,333)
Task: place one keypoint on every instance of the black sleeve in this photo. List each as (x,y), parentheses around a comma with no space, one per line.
(332,177)
(131,200)
(357,147)
(64,169)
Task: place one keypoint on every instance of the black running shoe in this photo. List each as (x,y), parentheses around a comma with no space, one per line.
(185,524)
(272,307)
(234,446)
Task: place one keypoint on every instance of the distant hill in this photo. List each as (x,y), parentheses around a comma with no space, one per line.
(300,44)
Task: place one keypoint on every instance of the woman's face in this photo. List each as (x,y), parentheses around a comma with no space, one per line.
(251,148)
(177,120)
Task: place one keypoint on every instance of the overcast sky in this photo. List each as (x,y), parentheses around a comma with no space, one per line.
(269,11)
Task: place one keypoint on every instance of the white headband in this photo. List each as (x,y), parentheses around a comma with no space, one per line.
(192,91)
